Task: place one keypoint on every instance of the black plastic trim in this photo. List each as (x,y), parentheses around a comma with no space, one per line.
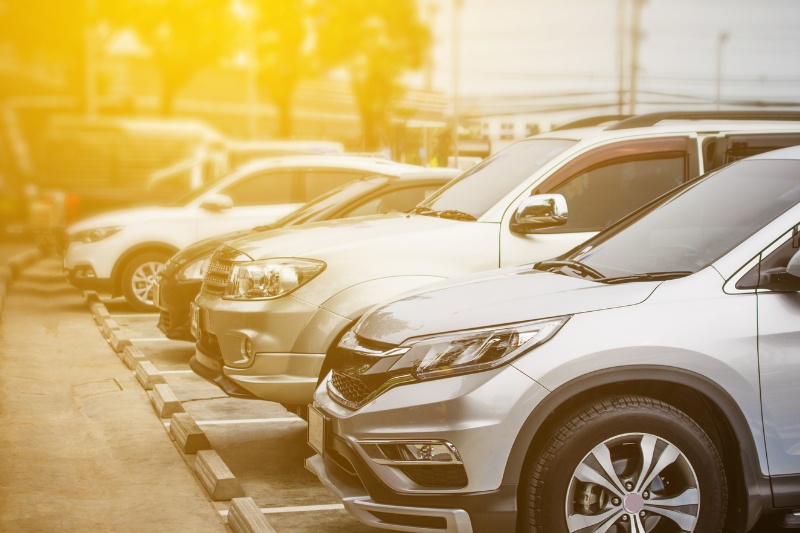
(651,119)
(489,511)
(786,490)
(220,380)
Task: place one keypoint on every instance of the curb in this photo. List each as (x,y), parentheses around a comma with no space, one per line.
(12,268)
(244,516)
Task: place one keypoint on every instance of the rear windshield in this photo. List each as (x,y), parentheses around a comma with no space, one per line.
(694,228)
(480,188)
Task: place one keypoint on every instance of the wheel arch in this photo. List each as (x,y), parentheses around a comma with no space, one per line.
(702,399)
(130,253)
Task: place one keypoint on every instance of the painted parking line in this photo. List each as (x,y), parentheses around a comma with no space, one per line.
(151,339)
(141,315)
(176,371)
(244,421)
(297,509)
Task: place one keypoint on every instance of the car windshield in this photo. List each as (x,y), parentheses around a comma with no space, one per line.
(334,198)
(185,199)
(691,229)
(473,193)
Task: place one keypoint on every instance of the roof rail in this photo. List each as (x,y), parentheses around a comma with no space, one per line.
(651,119)
(590,121)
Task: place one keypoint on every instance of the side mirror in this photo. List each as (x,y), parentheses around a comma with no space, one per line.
(540,211)
(217,202)
(782,279)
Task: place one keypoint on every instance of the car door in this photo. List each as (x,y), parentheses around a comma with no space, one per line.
(601,186)
(258,198)
(779,364)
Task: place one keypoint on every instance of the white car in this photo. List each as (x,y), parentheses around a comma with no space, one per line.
(120,252)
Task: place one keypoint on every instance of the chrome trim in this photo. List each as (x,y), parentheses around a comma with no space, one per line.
(389,384)
(397,442)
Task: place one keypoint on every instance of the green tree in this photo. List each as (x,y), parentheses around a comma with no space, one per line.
(280,33)
(184,36)
(378,41)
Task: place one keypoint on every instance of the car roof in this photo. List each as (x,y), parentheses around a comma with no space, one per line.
(614,126)
(346,162)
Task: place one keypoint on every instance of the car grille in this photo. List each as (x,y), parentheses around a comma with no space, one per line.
(354,380)
(219,271)
(349,388)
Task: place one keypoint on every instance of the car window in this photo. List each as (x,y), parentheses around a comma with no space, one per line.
(485,184)
(396,201)
(262,189)
(318,182)
(778,258)
(602,195)
(695,227)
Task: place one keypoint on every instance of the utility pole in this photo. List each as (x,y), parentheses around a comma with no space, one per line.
(90,59)
(457,4)
(636,37)
(621,56)
(721,40)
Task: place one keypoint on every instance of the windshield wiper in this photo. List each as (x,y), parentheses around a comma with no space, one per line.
(649,276)
(448,213)
(586,270)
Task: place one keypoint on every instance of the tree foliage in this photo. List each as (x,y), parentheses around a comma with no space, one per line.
(378,41)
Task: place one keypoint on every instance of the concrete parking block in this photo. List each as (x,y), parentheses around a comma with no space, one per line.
(109,325)
(216,477)
(118,341)
(148,375)
(244,516)
(131,356)
(164,401)
(90,297)
(187,434)
(99,312)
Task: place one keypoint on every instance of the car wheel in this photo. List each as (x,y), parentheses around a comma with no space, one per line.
(138,278)
(627,465)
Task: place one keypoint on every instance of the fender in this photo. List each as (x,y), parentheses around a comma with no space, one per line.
(152,246)
(758,494)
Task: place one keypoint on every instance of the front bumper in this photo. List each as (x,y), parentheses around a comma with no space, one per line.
(174,300)
(399,518)
(84,278)
(287,338)
(479,414)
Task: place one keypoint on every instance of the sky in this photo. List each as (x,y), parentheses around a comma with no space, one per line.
(512,50)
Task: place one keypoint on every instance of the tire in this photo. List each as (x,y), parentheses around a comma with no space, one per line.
(686,489)
(138,278)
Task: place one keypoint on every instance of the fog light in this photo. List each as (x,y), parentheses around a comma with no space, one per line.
(247,348)
(85,272)
(416,452)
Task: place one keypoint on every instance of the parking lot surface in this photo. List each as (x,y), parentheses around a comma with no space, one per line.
(83,449)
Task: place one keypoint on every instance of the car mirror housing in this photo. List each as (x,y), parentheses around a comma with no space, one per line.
(217,202)
(540,211)
(782,279)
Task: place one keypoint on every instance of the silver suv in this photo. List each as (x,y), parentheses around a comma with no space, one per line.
(646,381)
(273,305)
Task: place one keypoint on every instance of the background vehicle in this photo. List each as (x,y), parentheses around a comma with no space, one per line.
(121,252)
(487,218)
(645,381)
(180,280)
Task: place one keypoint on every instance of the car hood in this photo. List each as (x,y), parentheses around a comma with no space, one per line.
(204,247)
(319,237)
(125,217)
(497,297)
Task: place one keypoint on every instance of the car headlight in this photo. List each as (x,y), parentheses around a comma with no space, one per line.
(474,350)
(195,270)
(270,278)
(96,234)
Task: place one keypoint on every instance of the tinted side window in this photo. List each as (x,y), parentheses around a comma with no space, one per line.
(600,196)
(318,182)
(396,201)
(261,189)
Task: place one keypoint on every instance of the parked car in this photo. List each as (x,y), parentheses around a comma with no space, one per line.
(645,381)
(121,252)
(180,280)
(273,305)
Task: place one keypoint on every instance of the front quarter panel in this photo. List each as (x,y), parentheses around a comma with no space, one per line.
(715,337)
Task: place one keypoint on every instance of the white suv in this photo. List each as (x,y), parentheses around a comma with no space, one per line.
(120,252)
(645,382)
(273,305)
